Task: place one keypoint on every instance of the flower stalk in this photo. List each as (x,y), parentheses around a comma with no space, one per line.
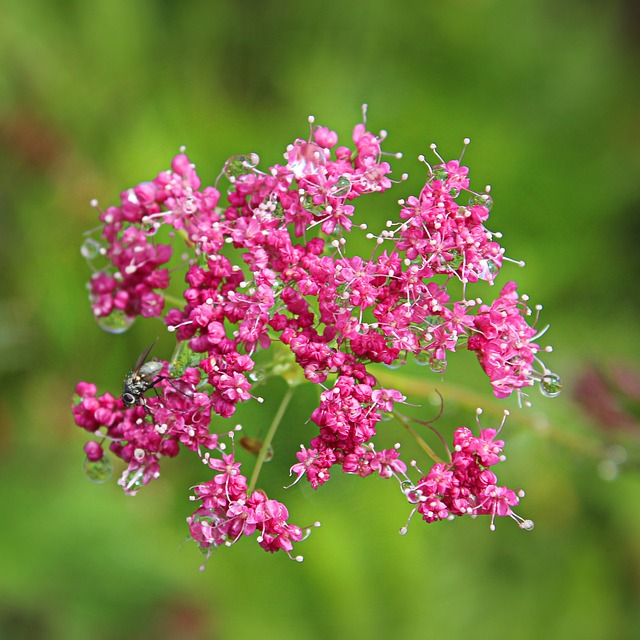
(268,439)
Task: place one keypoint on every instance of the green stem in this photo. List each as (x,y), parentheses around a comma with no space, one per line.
(472,399)
(176,302)
(266,445)
(430,452)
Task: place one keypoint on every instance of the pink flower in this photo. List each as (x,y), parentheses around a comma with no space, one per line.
(227,513)
(465,486)
(503,343)
(272,271)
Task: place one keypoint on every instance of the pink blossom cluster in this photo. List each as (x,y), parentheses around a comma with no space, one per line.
(503,342)
(466,485)
(133,279)
(347,416)
(228,511)
(273,265)
(179,420)
(448,238)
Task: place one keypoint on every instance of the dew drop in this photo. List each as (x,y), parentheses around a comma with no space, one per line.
(149,226)
(440,173)
(437,366)
(90,249)
(190,205)
(183,357)
(316,209)
(550,385)
(240,165)
(421,359)
(341,187)
(483,199)
(407,486)
(457,258)
(131,481)
(413,495)
(98,471)
(116,322)
(305,159)
(488,270)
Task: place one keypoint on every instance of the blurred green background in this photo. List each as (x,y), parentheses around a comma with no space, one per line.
(97,96)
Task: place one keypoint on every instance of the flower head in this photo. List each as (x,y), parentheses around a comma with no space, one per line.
(271,286)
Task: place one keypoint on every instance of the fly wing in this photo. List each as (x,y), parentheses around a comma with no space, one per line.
(143,356)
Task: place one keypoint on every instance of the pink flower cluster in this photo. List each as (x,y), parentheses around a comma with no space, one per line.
(448,238)
(466,486)
(228,512)
(179,420)
(273,265)
(347,415)
(502,340)
(133,277)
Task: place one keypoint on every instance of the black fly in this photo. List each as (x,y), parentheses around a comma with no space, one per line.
(143,376)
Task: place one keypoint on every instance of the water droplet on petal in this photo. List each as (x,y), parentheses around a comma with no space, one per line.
(488,270)
(422,358)
(550,385)
(190,205)
(457,258)
(305,158)
(240,165)
(116,322)
(483,199)
(98,471)
(439,173)
(132,480)
(341,188)
(316,209)
(90,249)
(437,366)
(412,494)
(149,227)
(183,357)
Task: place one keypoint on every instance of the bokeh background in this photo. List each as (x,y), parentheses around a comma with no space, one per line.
(97,96)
